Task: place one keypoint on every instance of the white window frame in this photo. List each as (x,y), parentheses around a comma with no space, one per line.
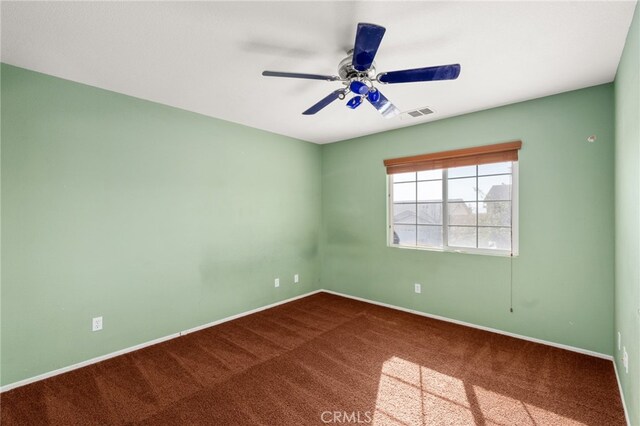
(445,219)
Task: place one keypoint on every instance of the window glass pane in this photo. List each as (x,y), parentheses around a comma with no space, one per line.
(430,213)
(462,236)
(462,171)
(478,207)
(495,168)
(462,189)
(404,177)
(496,188)
(430,236)
(404,235)
(404,213)
(494,238)
(404,192)
(430,191)
(430,174)
(462,213)
(494,213)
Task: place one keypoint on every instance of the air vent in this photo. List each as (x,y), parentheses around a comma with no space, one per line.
(417,113)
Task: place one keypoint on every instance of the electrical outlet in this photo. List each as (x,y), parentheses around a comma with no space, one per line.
(619,341)
(296,279)
(96,324)
(625,359)
(277,282)
(418,288)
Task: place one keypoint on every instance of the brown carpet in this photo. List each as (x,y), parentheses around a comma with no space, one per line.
(329,360)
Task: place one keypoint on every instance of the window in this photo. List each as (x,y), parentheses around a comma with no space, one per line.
(468,208)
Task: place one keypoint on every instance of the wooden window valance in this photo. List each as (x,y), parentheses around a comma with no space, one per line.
(497,153)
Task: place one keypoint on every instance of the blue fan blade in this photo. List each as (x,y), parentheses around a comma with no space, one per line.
(368,38)
(443,72)
(324,102)
(383,105)
(300,75)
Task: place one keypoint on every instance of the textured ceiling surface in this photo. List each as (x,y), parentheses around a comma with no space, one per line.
(207,57)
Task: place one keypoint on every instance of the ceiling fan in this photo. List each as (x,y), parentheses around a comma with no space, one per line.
(358,72)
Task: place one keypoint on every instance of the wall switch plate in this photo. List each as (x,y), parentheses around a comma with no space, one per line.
(619,341)
(625,359)
(417,288)
(296,279)
(277,282)
(96,324)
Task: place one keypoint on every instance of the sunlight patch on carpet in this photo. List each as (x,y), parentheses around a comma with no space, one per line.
(507,410)
(410,394)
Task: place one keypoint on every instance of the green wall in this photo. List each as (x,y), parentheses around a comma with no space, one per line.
(627,235)
(563,278)
(155,218)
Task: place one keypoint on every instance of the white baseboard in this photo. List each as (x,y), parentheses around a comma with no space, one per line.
(244,314)
(145,344)
(467,324)
(624,404)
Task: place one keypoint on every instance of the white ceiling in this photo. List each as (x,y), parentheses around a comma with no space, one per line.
(207,57)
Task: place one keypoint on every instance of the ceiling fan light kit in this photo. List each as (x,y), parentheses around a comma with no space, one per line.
(357,73)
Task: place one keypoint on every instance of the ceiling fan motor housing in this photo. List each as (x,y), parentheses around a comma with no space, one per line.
(346,71)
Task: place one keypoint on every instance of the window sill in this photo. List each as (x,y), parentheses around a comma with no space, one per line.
(482,252)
